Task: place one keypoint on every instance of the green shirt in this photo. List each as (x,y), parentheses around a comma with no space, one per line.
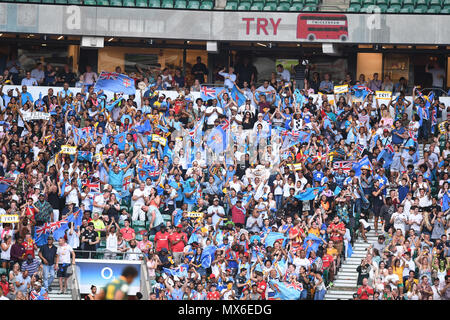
(98,225)
(115,285)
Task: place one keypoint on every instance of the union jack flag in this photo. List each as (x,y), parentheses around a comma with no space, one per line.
(208,91)
(93,187)
(45,228)
(6,180)
(344,165)
(389,147)
(126,82)
(297,286)
(360,148)
(109,75)
(225,124)
(412,135)
(57,224)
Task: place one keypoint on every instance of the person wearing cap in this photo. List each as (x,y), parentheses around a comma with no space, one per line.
(47,254)
(177,241)
(217,212)
(89,240)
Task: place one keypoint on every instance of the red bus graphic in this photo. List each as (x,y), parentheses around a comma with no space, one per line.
(322,27)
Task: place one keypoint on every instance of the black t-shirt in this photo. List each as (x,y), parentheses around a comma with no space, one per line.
(49,254)
(300,72)
(241,280)
(91,236)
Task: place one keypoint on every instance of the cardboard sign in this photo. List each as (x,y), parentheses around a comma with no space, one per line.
(341,89)
(66,149)
(161,140)
(194,214)
(383,95)
(36,116)
(9,218)
(296,166)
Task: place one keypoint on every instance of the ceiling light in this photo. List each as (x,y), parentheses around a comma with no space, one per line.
(110,39)
(60,37)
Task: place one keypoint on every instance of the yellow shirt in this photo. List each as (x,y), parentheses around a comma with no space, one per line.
(399,272)
(98,225)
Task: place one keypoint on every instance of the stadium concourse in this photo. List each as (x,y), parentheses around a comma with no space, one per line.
(291,189)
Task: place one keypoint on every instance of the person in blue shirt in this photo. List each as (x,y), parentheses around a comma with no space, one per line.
(399,133)
(116,174)
(25,95)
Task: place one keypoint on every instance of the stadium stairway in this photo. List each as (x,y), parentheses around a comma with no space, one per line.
(54,293)
(345,281)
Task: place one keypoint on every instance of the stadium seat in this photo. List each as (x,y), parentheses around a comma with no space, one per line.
(445,10)
(180,4)
(3,271)
(395,3)
(435,4)
(102,244)
(446,4)
(420,10)
(244,6)
(311,2)
(310,8)
(139,237)
(31,1)
(142,3)
(138,223)
(167,217)
(257,6)
(59,1)
(154,4)
(151,238)
(285,2)
(193,5)
(296,6)
(367,3)
(421,4)
(45,1)
(406,10)
(298,1)
(206,5)
(355,2)
(393,9)
(116,3)
(231,5)
(270,6)
(408,4)
(90,2)
(167,4)
(382,3)
(129,3)
(433,11)
(100,253)
(103,2)
(284,6)
(354,8)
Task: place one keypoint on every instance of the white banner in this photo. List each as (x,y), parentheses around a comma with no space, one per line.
(383,95)
(68,149)
(29,116)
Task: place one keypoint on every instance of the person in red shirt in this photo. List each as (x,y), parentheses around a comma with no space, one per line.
(29,245)
(327,262)
(162,239)
(336,230)
(127,232)
(261,285)
(29,209)
(178,241)
(365,290)
(238,212)
(213,294)
(4,284)
(295,235)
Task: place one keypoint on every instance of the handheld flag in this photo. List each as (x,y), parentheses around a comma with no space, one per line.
(115,82)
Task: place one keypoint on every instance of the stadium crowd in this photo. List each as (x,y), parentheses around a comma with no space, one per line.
(252,193)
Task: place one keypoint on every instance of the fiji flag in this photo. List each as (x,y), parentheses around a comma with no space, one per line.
(217,140)
(115,82)
(181,271)
(85,156)
(238,96)
(361,163)
(208,256)
(120,140)
(145,128)
(41,234)
(286,291)
(209,93)
(309,194)
(272,237)
(143,174)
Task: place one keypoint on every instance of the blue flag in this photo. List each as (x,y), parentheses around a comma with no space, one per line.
(146,127)
(315,245)
(445,200)
(272,237)
(217,140)
(111,106)
(387,156)
(181,271)
(85,156)
(120,140)
(309,194)
(209,93)
(361,163)
(208,256)
(115,82)
(238,96)
(286,291)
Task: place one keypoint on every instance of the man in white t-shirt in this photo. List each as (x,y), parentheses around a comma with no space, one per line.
(140,196)
(216,211)
(415,219)
(399,219)
(284,74)
(301,261)
(392,278)
(100,202)
(64,257)
(438,75)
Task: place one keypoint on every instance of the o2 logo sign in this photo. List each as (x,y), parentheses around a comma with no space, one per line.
(107,273)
